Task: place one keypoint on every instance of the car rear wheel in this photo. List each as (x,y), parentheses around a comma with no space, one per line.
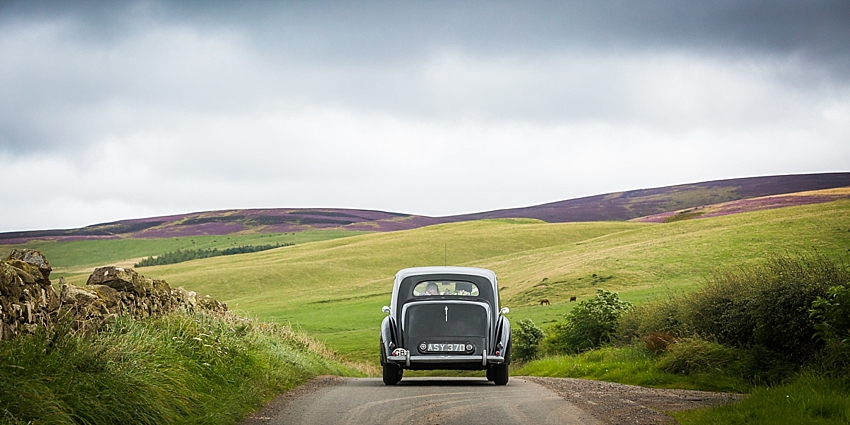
(490,375)
(500,374)
(392,373)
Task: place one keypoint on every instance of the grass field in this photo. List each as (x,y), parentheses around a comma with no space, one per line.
(74,257)
(334,289)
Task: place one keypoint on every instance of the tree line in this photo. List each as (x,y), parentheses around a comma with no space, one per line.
(182,255)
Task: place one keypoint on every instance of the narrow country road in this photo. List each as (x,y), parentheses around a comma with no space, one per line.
(444,401)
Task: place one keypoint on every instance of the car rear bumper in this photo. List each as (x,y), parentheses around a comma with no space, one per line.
(408,359)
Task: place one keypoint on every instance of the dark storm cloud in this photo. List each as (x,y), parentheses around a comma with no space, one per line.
(390,31)
(367,54)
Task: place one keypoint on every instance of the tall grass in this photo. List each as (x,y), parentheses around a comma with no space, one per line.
(809,399)
(181,369)
(632,365)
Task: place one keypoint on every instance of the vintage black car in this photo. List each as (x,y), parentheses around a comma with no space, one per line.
(445,318)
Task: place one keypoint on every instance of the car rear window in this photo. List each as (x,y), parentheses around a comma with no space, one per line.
(445,287)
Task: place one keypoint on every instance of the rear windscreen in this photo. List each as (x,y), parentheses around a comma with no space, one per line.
(444,320)
(445,287)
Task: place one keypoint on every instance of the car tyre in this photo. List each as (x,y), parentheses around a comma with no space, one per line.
(392,373)
(490,374)
(500,374)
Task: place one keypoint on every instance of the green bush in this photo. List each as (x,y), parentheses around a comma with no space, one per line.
(777,315)
(692,355)
(832,316)
(589,325)
(766,305)
(663,315)
(526,340)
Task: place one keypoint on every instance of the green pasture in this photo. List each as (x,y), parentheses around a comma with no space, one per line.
(72,256)
(334,289)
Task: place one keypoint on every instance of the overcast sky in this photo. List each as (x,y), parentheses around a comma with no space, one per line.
(112,111)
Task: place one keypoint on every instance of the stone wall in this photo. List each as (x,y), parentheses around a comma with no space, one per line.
(28,300)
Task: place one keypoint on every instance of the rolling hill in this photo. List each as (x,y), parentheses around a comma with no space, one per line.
(334,289)
(619,206)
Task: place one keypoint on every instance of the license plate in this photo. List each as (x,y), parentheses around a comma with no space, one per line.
(446,347)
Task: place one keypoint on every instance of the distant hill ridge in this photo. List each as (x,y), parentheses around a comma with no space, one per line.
(618,206)
(621,206)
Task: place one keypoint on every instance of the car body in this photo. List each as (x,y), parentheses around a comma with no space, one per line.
(458,325)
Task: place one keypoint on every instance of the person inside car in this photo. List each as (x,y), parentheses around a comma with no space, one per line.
(431,289)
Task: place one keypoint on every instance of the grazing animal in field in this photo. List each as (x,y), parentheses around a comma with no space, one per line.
(572,299)
(544,301)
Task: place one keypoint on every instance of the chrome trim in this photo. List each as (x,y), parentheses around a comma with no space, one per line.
(491,330)
(413,303)
(407,360)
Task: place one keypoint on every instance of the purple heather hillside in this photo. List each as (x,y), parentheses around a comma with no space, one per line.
(653,204)
(649,202)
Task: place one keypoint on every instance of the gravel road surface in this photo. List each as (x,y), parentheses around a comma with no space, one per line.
(448,401)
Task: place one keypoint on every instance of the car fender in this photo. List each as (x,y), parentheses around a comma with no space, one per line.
(503,337)
(388,339)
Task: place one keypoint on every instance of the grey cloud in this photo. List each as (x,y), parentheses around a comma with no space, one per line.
(315,101)
(375,30)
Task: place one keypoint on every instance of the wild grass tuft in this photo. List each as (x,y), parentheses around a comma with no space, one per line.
(632,365)
(198,368)
(809,399)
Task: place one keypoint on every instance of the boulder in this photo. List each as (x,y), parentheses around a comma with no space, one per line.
(120,279)
(75,295)
(211,304)
(110,296)
(33,257)
(11,283)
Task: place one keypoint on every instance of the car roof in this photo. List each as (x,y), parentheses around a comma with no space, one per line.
(419,271)
(443,270)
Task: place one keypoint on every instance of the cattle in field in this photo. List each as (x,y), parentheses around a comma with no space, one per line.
(544,301)
(572,299)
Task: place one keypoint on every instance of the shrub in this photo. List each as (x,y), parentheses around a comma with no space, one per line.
(781,312)
(767,305)
(526,340)
(756,365)
(663,315)
(657,342)
(589,325)
(832,316)
(692,355)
